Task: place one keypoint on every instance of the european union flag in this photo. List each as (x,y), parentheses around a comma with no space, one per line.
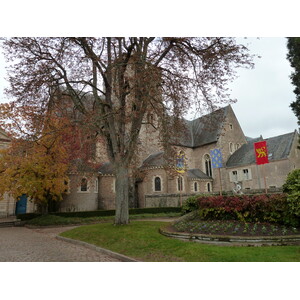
(216,158)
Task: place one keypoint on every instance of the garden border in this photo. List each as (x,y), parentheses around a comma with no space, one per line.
(232,240)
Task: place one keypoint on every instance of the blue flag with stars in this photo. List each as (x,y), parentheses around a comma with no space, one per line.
(216,158)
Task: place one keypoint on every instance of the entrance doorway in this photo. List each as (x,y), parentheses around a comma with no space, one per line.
(21,205)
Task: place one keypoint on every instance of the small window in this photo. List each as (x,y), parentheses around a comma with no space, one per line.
(157,184)
(234,176)
(67,185)
(150,118)
(195,186)
(246,174)
(84,185)
(230,126)
(180,183)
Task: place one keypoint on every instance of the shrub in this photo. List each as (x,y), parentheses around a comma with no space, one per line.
(190,204)
(255,208)
(28,216)
(104,213)
(292,188)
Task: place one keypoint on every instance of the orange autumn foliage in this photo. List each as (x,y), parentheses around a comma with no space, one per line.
(36,168)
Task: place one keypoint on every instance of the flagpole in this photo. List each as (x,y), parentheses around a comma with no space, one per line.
(265,180)
(220,181)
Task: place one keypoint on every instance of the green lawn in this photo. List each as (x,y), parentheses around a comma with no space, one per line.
(142,241)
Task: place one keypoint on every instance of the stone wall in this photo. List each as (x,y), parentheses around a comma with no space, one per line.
(165,200)
(77,200)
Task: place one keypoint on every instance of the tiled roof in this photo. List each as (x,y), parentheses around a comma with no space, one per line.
(279,147)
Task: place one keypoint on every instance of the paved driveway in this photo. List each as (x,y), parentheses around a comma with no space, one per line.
(21,244)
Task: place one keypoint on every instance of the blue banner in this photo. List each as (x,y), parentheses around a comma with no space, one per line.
(216,158)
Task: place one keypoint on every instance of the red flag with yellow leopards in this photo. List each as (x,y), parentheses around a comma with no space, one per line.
(261,153)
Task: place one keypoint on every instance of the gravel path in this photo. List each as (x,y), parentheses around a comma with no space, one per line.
(21,244)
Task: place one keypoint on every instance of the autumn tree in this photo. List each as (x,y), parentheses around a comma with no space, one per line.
(36,167)
(125,79)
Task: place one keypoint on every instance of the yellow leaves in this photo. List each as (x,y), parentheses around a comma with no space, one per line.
(36,168)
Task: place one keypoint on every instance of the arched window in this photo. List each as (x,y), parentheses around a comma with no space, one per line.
(180,183)
(157,184)
(84,185)
(231,148)
(96,188)
(208,187)
(195,186)
(207,163)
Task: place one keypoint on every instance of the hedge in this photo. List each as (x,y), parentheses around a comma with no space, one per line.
(272,208)
(103,213)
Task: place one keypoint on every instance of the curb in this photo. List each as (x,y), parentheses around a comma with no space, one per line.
(233,240)
(116,255)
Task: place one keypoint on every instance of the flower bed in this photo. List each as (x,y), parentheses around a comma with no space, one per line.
(234,228)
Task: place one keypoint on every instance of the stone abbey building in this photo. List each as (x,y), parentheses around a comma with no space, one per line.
(158,184)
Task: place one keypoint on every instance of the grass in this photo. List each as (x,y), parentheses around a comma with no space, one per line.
(50,220)
(142,241)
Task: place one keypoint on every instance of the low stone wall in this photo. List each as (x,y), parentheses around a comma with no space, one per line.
(174,200)
(233,240)
(165,200)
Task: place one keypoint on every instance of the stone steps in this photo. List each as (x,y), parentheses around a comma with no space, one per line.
(9,222)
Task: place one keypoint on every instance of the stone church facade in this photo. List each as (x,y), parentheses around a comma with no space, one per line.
(158,184)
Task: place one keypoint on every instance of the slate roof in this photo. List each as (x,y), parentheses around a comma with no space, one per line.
(279,147)
(106,169)
(197,173)
(204,130)
(154,160)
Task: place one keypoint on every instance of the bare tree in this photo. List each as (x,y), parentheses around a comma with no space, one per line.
(125,79)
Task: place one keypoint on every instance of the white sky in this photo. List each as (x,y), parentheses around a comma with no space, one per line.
(263,94)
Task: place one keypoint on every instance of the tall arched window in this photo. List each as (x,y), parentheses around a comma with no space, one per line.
(231,148)
(207,163)
(195,186)
(84,185)
(180,183)
(157,184)
(208,187)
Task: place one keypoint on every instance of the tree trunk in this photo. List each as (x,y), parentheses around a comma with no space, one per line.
(122,195)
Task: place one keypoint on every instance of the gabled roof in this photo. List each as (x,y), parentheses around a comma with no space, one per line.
(197,174)
(279,147)
(204,130)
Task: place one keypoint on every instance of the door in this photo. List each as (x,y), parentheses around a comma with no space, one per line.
(21,205)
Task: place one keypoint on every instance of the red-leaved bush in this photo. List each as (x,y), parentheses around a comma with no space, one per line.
(248,208)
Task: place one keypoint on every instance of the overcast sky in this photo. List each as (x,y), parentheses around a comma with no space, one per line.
(263,94)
